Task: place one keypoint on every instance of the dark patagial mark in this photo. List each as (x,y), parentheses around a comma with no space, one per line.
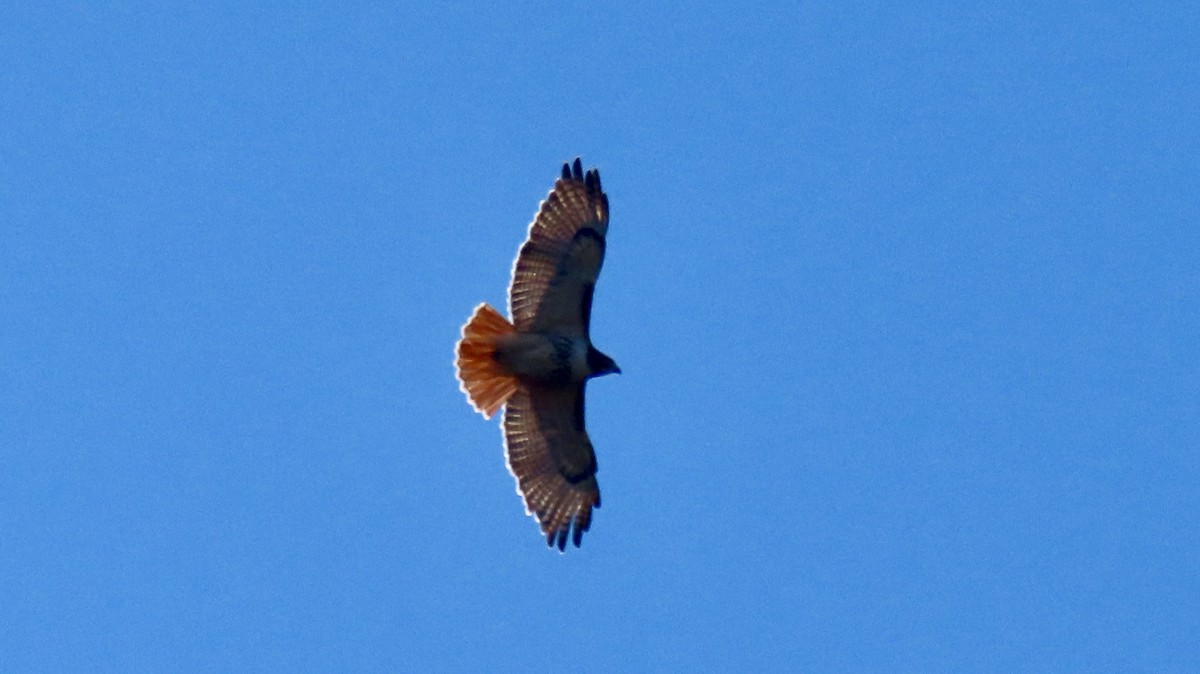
(579,411)
(568,264)
(589,289)
(589,233)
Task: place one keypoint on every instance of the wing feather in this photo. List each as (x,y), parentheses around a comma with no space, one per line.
(551,457)
(556,268)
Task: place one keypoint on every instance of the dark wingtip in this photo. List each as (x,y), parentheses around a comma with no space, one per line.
(592,181)
(566,172)
(578,166)
(558,538)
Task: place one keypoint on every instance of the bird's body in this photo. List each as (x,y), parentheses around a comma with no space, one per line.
(536,365)
(546,358)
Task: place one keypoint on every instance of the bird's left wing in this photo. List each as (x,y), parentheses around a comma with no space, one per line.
(556,269)
(551,457)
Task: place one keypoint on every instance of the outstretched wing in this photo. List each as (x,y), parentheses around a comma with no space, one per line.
(551,457)
(556,269)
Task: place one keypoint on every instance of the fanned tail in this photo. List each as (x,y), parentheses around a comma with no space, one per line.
(487,384)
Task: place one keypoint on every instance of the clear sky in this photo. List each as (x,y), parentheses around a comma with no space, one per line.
(907,303)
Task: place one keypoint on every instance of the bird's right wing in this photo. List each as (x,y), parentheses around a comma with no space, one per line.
(556,269)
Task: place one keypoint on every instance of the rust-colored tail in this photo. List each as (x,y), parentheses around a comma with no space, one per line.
(487,384)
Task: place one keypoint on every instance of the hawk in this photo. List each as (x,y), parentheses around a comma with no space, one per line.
(536,364)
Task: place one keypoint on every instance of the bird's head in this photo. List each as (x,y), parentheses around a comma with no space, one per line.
(601,364)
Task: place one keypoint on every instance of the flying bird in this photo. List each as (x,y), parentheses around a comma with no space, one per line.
(535,364)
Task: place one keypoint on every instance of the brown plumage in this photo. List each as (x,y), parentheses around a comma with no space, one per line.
(538,364)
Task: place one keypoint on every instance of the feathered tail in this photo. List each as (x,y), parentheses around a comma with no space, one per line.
(487,384)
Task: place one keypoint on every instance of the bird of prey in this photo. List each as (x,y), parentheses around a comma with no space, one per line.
(535,365)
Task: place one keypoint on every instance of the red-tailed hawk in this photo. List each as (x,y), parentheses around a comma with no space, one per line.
(537,365)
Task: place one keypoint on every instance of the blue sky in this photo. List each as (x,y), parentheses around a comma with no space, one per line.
(907,303)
